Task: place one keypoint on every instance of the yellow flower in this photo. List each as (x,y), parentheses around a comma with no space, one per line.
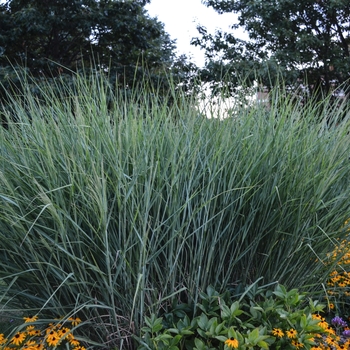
(52,338)
(69,336)
(30,342)
(278,332)
(75,320)
(18,338)
(74,342)
(3,340)
(297,344)
(30,319)
(63,332)
(330,330)
(35,332)
(29,345)
(292,333)
(232,343)
(330,341)
(79,348)
(51,331)
(32,331)
(323,324)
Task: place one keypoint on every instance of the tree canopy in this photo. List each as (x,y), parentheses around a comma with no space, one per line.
(54,37)
(306,40)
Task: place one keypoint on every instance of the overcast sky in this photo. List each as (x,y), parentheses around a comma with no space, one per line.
(181,18)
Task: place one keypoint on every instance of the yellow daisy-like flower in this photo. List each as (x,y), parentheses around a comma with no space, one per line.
(79,348)
(3,340)
(323,324)
(330,330)
(29,345)
(75,320)
(297,344)
(232,343)
(292,333)
(30,342)
(30,319)
(330,341)
(69,336)
(18,338)
(39,346)
(278,332)
(74,342)
(52,340)
(31,331)
(35,332)
(63,332)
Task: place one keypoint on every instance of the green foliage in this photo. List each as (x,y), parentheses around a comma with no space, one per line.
(306,41)
(55,38)
(117,206)
(252,322)
(67,33)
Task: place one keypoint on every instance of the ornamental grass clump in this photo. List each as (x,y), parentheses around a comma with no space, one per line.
(117,204)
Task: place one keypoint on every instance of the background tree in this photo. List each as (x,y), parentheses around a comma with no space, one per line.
(50,38)
(302,39)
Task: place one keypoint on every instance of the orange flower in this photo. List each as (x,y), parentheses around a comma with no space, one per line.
(3,340)
(52,338)
(63,332)
(232,343)
(297,344)
(75,320)
(36,333)
(278,332)
(74,342)
(30,319)
(18,338)
(292,333)
(39,346)
(29,345)
(323,324)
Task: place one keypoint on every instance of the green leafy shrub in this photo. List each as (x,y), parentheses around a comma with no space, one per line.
(278,319)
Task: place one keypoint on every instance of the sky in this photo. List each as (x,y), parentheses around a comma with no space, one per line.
(181,18)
